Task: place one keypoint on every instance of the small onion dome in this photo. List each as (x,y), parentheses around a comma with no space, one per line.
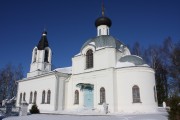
(103,21)
(43,43)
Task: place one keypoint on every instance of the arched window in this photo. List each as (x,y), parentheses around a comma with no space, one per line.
(89,59)
(76,97)
(30,98)
(155,97)
(35,55)
(48,97)
(102,95)
(20,98)
(136,94)
(24,96)
(46,56)
(43,97)
(35,97)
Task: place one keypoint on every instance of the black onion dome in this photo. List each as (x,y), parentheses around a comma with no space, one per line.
(103,21)
(43,43)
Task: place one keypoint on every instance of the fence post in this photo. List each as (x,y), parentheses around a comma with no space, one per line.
(23,108)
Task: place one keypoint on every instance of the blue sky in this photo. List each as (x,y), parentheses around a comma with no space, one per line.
(71,22)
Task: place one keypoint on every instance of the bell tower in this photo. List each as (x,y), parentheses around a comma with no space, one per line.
(41,57)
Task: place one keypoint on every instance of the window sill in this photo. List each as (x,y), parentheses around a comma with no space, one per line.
(45,103)
(136,102)
(88,68)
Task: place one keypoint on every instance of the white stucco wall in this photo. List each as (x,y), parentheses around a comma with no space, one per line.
(118,83)
(38,66)
(61,92)
(103,58)
(101,78)
(102,30)
(39,84)
(143,77)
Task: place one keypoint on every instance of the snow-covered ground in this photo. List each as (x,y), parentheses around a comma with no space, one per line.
(90,117)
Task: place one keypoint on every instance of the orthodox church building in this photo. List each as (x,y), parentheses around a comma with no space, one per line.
(103,72)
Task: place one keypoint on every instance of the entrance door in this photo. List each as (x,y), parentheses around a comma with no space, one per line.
(88,98)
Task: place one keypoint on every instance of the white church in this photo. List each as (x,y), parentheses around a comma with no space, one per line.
(103,72)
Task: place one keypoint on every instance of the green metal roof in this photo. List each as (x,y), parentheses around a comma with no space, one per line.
(132,59)
(104,41)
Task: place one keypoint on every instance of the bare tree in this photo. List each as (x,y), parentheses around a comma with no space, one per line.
(136,49)
(171,58)
(8,77)
(174,69)
(152,56)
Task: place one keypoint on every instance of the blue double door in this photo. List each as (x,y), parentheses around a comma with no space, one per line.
(88,98)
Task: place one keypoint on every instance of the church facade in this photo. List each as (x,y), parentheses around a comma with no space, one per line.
(103,72)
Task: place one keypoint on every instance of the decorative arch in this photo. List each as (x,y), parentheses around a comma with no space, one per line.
(48,97)
(91,46)
(136,94)
(43,96)
(35,97)
(76,97)
(30,98)
(102,95)
(89,59)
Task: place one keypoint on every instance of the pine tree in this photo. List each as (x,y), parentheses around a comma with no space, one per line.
(174,113)
(161,83)
(34,109)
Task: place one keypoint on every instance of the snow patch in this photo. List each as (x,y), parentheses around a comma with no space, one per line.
(92,43)
(67,70)
(124,64)
(137,56)
(100,48)
(89,117)
(78,54)
(145,65)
